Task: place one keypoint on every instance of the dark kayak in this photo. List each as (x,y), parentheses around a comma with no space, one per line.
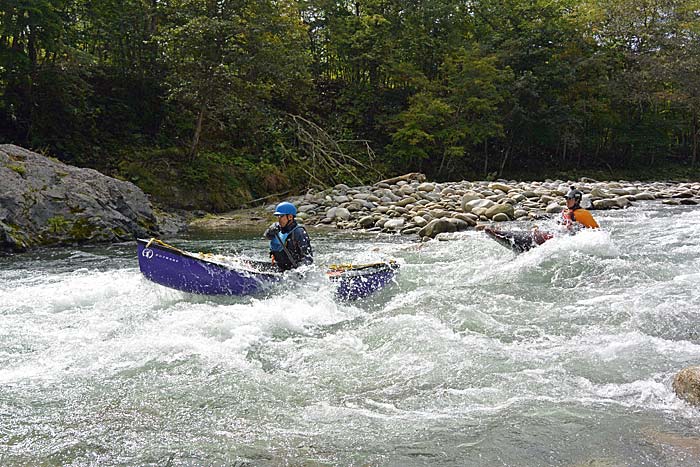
(518,240)
(207,274)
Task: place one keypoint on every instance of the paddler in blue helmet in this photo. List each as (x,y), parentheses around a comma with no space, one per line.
(290,246)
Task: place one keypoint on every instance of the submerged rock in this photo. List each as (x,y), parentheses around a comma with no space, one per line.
(46,202)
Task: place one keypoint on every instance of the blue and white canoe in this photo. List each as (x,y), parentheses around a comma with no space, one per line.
(207,274)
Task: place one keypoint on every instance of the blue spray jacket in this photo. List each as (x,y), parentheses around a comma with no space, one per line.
(298,244)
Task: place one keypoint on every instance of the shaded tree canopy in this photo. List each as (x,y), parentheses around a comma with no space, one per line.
(214,90)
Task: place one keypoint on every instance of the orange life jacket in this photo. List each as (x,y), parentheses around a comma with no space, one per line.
(579,215)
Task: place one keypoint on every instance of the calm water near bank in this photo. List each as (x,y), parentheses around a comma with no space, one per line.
(560,356)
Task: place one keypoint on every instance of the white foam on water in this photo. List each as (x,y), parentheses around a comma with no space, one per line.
(101,322)
(472,337)
(598,243)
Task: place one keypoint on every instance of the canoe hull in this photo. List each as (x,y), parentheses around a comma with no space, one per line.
(518,241)
(181,271)
(354,284)
(184,271)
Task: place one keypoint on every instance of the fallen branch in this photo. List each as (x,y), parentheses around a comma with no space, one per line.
(406,177)
(264,198)
(324,155)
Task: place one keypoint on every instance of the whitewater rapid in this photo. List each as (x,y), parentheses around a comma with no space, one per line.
(563,355)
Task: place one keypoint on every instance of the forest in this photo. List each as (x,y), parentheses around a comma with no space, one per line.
(209,104)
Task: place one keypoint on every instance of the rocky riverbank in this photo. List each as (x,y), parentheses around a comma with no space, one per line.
(411,205)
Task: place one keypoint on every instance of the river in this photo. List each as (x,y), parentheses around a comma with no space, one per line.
(561,356)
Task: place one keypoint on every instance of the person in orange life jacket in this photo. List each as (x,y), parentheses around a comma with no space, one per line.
(574,217)
(290,246)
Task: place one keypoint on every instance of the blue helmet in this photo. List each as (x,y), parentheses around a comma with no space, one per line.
(285,208)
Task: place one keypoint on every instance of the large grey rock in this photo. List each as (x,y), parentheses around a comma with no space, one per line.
(46,202)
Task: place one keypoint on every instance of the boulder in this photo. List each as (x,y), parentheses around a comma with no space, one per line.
(600,193)
(394,224)
(46,202)
(477,204)
(307,207)
(470,219)
(686,385)
(406,201)
(366,222)
(341,213)
(437,226)
(606,203)
(644,196)
(500,217)
(554,208)
(459,224)
(505,208)
(467,197)
(500,186)
(622,202)
(419,221)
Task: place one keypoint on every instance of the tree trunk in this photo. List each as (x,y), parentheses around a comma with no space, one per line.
(442,162)
(503,163)
(563,153)
(31,47)
(696,130)
(197,132)
(486,158)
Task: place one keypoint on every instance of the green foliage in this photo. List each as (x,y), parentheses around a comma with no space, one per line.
(196,95)
(215,181)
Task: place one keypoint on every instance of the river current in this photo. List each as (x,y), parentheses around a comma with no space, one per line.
(560,356)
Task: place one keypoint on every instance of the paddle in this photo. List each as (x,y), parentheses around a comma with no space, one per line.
(284,247)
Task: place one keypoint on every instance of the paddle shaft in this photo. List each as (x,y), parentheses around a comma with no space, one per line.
(284,247)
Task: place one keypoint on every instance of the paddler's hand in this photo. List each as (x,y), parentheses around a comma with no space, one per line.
(272,231)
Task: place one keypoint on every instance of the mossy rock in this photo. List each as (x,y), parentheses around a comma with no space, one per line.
(82,230)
